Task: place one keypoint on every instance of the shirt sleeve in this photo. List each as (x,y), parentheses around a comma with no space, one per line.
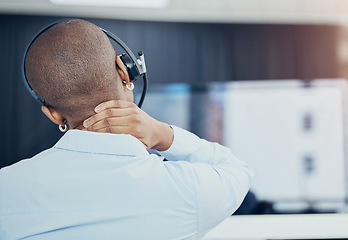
(221,181)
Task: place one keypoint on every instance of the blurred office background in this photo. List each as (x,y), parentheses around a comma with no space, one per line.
(264,77)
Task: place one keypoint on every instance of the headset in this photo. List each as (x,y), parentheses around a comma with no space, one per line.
(135,67)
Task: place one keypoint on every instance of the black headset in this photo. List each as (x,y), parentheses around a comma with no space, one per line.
(135,67)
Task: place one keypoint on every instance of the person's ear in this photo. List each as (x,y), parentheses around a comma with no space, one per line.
(128,86)
(121,69)
(53,115)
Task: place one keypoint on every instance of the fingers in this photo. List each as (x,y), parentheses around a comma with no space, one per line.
(113,108)
(113,104)
(114,129)
(105,115)
(116,116)
(109,121)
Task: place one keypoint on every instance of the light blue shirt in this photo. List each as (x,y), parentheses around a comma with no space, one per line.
(107,186)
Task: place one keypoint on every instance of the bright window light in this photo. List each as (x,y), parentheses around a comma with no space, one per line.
(115,3)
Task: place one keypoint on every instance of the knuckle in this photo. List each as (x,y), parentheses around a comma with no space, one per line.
(108,112)
(134,111)
(106,122)
(115,103)
(137,119)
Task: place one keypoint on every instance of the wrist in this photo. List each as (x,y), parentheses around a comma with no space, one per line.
(165,137)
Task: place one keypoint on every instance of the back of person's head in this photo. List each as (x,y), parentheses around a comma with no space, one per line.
(71,66)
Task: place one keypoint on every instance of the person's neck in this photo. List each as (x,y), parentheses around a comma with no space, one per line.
(75,124)
(79,127)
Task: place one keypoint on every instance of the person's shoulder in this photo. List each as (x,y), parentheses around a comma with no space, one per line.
(23,165)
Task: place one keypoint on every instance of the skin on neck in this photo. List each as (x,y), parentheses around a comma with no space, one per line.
(60,118)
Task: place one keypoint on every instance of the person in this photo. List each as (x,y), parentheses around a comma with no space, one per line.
(99,181)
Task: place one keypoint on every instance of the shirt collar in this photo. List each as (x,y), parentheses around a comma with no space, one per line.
(105,143)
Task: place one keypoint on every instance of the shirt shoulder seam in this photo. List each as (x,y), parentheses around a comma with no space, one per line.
(98,153)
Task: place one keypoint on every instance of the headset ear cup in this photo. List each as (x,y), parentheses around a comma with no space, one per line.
(132,69)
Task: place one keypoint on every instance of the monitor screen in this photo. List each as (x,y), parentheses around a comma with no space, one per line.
(292,134)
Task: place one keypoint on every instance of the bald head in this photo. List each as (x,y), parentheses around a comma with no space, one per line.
(71,66)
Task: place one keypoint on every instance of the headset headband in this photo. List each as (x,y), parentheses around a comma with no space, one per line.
(135,67)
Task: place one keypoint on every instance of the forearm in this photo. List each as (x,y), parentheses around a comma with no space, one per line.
(187,146)
(220,180)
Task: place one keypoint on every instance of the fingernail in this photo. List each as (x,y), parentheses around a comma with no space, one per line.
(86,123)
(97,109)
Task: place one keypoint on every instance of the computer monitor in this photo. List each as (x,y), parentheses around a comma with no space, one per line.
(292,133)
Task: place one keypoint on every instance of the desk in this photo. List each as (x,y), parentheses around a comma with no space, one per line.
(301,226)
